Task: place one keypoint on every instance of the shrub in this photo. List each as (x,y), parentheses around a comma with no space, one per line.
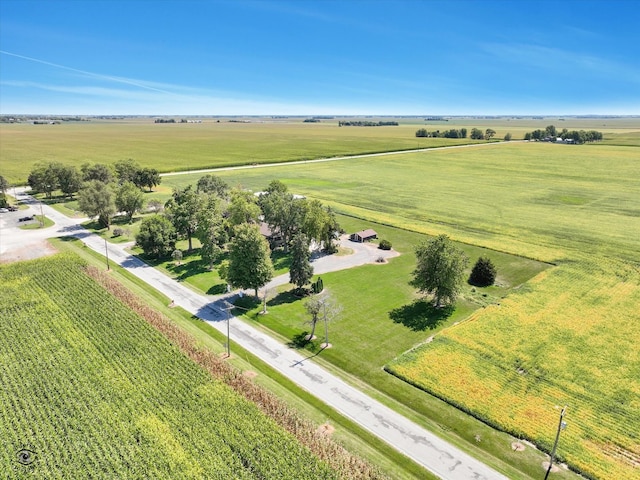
(483,273)
(117,232)
(384,245)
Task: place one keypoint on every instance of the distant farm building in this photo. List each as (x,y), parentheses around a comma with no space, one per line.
(364,236)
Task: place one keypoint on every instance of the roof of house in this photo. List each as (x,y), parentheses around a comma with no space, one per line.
(265,230)
(368,233)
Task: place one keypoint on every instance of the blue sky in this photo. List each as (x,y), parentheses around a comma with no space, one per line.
(320,57)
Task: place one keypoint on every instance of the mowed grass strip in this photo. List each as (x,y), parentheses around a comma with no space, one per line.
(89,387)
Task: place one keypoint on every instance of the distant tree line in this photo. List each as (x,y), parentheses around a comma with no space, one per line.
(164,120)
(551,134)
(476,133)
(366,123)
(452,133)
(311,120)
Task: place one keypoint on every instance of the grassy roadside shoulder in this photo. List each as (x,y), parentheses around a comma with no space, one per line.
(347,433)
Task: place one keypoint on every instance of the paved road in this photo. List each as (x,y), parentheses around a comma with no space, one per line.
(425,448)
(334,159)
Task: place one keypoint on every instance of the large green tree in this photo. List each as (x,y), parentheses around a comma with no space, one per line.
(97,199)
(129,199)
(249,259)
(210,229)
(243,208)
(97,171)
(147,177)
(182,210)
(439,270)
(476,134)
(213,184)
(69,180)
(44,178)
(284,214)
(157,236)
(126,170)
(300,270)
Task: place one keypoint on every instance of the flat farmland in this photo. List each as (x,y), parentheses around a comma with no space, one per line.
(537,200)
(245,141)
(569,336)
(89,389)
(190,146)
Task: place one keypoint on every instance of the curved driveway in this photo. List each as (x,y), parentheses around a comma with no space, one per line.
(417,443)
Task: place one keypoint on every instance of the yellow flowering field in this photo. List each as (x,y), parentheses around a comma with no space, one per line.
(565,339)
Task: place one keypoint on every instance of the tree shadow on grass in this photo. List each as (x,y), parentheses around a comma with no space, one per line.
(283,298)
(299,341)
(217,289)
(188,269)
(421,315)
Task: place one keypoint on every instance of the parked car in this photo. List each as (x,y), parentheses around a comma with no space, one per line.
(12,208)
(26,219)
(4,210)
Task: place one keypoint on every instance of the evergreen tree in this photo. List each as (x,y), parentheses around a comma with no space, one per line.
(483,273)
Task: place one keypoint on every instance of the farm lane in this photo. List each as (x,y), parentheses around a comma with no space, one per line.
(333,159)
(422,446)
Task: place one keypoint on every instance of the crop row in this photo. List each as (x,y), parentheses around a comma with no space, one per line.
(339,459)
(89,387)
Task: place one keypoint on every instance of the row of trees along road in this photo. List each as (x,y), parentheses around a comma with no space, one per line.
(102,189)
(226,219)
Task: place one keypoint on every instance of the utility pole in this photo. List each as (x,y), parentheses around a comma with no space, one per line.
(561,426)
(228,310)
(106,251)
